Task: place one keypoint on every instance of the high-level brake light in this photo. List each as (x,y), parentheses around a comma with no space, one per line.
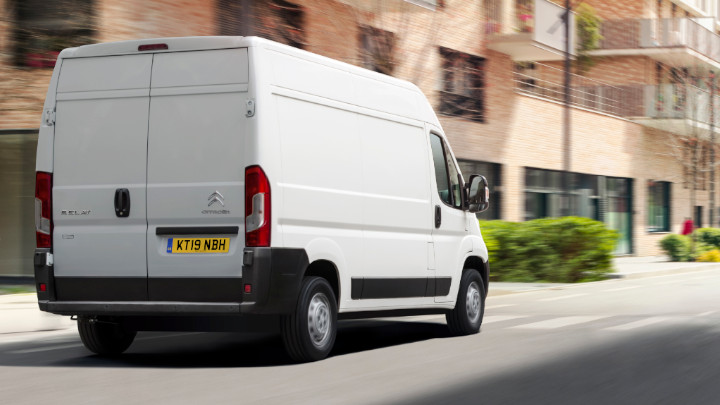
(152,47)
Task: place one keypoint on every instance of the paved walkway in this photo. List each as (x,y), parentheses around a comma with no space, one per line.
(19,313)
(625,267)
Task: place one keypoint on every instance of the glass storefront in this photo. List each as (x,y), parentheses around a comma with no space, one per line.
(491,171)
(607,199)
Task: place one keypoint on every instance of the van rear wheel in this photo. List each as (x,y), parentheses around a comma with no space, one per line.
(467,316)
(309,332)
(104,337)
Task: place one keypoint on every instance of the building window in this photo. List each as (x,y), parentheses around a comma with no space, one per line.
(291,18)
(491,171)
(463,91)
(276,20)
(41,29)
(658,206)
(544,193)
(377,48)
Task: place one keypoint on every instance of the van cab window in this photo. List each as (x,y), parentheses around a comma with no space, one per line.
(454,181)
(446,175)
(441,174)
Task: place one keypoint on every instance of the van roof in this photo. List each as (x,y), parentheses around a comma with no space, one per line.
(182,44)
(173,45)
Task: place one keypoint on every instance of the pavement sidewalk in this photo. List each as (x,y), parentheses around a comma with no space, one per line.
(19,313)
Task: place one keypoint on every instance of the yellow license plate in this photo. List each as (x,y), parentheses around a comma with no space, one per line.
(198,245)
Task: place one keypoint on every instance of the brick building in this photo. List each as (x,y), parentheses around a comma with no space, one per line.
(640,119)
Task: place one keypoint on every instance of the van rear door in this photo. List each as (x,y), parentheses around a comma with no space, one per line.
(196,170)
(100,153)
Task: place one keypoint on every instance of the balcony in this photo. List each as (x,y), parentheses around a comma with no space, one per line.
(679,108)
(535,32)
(676,42)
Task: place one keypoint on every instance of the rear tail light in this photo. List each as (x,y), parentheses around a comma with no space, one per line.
(43,209)
(257,208)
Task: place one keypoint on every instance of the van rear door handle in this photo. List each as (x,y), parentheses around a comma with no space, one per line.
(122,202)
(438,219)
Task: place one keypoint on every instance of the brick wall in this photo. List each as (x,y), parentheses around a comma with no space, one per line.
(617,9)
(135,19)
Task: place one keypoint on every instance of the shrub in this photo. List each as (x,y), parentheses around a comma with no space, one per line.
(708,236)
(677,247)
(710,256)
(568,249)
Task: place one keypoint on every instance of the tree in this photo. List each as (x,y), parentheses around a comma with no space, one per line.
(684,94)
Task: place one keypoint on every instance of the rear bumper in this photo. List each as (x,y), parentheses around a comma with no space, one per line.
(272,274)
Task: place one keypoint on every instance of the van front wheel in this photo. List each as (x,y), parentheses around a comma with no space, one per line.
(467,316)
(103,337)
(309,332)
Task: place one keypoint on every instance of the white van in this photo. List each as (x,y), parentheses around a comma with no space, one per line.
(229,183)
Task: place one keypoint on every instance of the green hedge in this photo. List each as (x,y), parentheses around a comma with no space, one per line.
(565,250)
(679,247)
(708,236)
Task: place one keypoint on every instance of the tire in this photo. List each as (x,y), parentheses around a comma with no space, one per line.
(309,332)
(467,316)
(104,338)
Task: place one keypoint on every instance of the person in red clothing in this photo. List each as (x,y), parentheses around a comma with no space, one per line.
(688,226)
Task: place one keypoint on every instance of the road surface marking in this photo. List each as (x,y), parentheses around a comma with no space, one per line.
(622,288)
(706,313)
(423,318)
(499,306)
(45,349)
(638,324)
(561,322)
(500,318)
(61,347)
(563,297)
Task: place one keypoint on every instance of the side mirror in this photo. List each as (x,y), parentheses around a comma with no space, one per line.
(478,194)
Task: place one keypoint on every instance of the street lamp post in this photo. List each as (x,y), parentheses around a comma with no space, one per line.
(712,148)
(566,112)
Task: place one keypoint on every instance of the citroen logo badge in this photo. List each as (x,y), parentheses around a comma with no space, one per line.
(216,197)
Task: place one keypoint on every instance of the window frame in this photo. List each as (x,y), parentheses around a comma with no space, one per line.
(468,102)
(665,206)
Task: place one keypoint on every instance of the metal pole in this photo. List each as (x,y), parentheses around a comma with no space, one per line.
(566,111)
(712,148)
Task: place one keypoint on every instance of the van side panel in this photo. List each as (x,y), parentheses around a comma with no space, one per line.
(354,177)
(100,146)
(321,177)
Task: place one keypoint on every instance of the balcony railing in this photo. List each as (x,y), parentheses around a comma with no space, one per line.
(680,101)
(691,33)
(546,82)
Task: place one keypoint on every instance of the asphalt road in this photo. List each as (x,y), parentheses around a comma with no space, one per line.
(644,341)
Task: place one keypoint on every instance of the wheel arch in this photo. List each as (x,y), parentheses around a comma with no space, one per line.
(483,267)
(327,270)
